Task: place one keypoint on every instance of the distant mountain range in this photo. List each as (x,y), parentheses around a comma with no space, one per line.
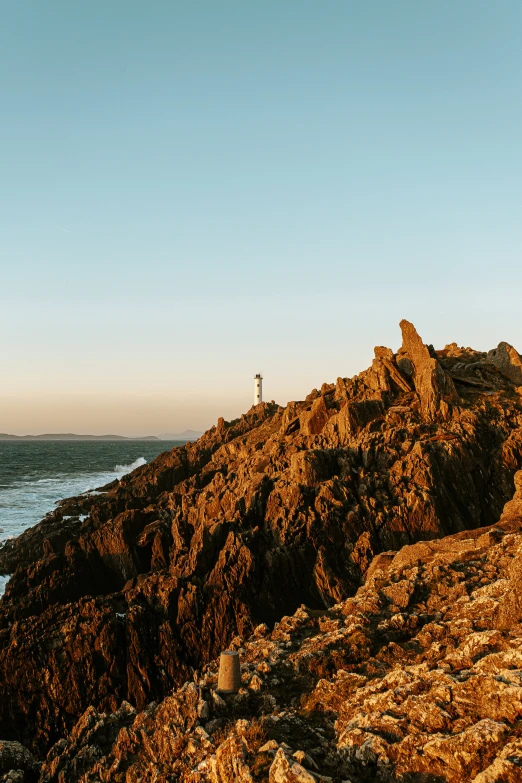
(185,435)
(72,436)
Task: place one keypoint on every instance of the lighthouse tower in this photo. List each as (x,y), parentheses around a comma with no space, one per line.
(258,389)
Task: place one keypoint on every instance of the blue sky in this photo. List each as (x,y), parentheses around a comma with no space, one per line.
(193,192)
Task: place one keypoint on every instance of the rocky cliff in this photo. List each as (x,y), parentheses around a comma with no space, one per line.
(280,508)
(415,679)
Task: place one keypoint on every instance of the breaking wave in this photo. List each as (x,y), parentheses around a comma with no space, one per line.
(35,476)
(3,581)
(122,469)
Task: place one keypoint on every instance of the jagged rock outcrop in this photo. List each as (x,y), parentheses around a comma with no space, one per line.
(278,508)
(435,388)
(508,361)
(418,677)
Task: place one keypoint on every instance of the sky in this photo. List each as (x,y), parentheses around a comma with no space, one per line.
(191,193)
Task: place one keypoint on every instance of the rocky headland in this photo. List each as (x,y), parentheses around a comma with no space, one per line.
(290,534)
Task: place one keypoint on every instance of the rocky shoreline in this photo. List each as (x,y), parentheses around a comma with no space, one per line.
(391,660)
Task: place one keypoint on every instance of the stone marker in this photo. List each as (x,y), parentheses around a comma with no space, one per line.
(229,679)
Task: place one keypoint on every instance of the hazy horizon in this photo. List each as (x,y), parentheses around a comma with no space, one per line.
(193,193)
(88,435)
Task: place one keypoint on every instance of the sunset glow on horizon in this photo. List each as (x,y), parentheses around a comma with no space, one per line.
(193,193)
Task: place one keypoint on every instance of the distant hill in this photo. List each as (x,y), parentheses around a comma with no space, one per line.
(72,436)
(185,435)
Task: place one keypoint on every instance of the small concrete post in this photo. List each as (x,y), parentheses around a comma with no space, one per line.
(229,678)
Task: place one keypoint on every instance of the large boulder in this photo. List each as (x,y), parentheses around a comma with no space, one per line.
(508,361)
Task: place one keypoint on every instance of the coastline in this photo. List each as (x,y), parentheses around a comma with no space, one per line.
(72,437)
(36,475)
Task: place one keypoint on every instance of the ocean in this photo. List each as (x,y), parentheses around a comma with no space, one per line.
(34,475)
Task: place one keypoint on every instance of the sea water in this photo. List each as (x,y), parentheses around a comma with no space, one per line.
(35,475)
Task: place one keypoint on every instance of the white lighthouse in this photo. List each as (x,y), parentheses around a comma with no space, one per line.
(258,389)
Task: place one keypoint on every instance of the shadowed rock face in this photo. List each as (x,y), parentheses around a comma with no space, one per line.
(17,765)
(278,508)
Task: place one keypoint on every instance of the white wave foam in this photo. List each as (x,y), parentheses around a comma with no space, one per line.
(32,495)
(3,581)
(123,469)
